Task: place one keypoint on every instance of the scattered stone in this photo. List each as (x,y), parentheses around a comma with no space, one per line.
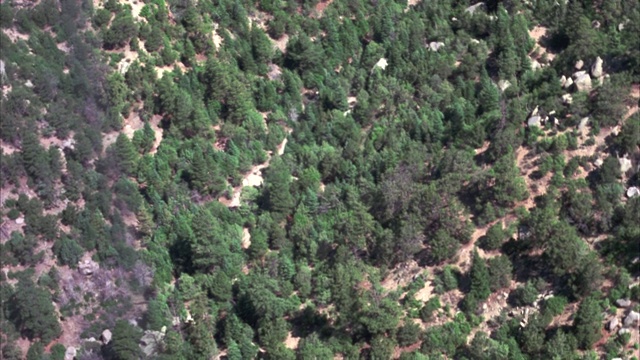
(28,84)
(598,162)
(563,80)
(596,68)
(484,306)
(88,267)
(382,64)
(582,81)
(106,336)
(631,319)
(567,99)
(503,85)
(624,331)
(633,191)
(621,26)
(579,64)
(534,121)
(583,123)
(625,164)
(613,324)
(20,221)
(475,41)
(596,24)
(472,9)
(623,303)
(71,353)
(435,45)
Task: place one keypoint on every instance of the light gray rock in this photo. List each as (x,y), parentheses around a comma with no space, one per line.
(613,324)
(625,164)
(563,80)
(579,64)
(535,111)
(621,26)
(20,221)
(631,319)
(624,331)
(623,303)
(71,353)
(106,336)
(534,121)
(436,45)
(3,71)
(582,81)
(568,83)
(28,84)
(88,267)
(472,9)
(596,68)
(567,99)
(535,65)
(583,123)
(151,341)
(598,162)
(633,191)
(503,85)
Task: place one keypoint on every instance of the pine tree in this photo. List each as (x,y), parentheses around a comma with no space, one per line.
(479,275)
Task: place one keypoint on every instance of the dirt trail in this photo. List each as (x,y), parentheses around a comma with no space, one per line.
(253,177)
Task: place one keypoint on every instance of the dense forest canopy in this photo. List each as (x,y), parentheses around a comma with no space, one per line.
(214,179)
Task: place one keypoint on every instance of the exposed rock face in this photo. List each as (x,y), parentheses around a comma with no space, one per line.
(596,68)
(534,121)
(3,71)
(579,64)
(106,336)
(582,81)
(472,9)
(150,342)
(598,162)
(382,64)
(613,324)
(503,85)
(625,164)
(88,267)
(71,353)
(535,65)
(623,303)
(435,45)
(632,319)
(633,191)
(583,123)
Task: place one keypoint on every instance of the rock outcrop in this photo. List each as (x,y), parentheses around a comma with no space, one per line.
(596,68)
(582,81)
(623,303)
(106,336)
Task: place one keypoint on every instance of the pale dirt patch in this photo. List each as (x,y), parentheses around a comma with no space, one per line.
(424,294)
(7,149)
(291,342)
(217,39)
(252,178)
(537,33)
(246,238)
(320,7)
(281,44)
(14,35)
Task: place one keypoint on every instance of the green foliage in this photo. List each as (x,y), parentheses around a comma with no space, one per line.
(124,343)
(587,323)
(33,313)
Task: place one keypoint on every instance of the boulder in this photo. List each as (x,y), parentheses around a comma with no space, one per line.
(472,9)
(534,121)
(596,68)
(621,26)
(582,81)
(567,99)
(71,353)
(106,336)
(568,83)
(535,65)
(624,331)
(435,45)
(28,84)
(503,85)
(598,162)
(563,80)
(583,123)
(625,164)
(613,324)
(20,220)
(632,319)
(88,267)
(579,64)
(382,64)
(633,191)
(623,303)
(3,71)
(535,111)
